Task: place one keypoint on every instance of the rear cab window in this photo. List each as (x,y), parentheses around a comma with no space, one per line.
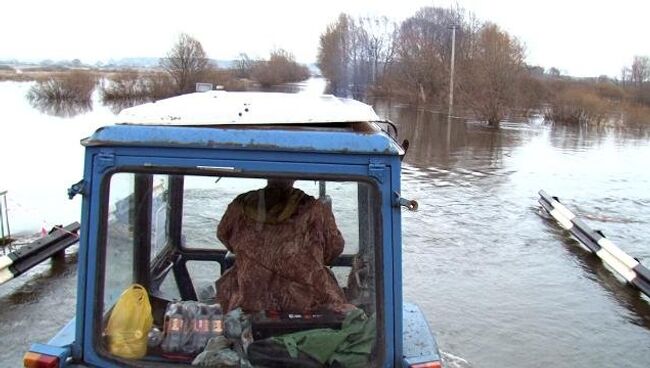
(241,268)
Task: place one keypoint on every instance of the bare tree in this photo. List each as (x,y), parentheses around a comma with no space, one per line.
(356,53)
(421,62)
(414,59)
(625,75)
(640,70)
(639,78)
(244,66)
(333,53)
(186,62)
(554,72)
(423,51)
(493,74)
(376,39)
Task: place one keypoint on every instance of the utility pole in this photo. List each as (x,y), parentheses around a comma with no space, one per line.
(5,236)
(451,76)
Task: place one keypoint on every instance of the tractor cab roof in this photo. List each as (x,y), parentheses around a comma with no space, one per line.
(251,121)
(248,108)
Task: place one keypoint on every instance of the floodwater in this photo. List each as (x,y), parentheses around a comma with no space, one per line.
(501,286)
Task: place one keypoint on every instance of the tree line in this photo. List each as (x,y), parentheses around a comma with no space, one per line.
(412,60)
(637,77)
(185,64)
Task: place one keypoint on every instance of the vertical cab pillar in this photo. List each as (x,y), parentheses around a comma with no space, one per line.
(142,197)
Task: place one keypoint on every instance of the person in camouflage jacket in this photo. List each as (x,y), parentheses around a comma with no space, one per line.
(283,240)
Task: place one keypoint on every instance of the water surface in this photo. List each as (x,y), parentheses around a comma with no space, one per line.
(500,285)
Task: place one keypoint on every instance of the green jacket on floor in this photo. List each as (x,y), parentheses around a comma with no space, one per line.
(350,346)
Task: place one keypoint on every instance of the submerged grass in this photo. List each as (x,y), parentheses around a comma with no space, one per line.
(636,115)
(131,85)
(596,106)
(578,106)
(73,86)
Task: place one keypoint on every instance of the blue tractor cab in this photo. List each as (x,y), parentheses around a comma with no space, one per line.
(155,189)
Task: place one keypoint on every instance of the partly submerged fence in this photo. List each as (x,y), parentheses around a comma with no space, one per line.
(628,267)
(20,261)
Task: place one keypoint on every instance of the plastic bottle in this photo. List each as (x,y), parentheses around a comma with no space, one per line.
(201,332)
(190,313)
(216,320)
(174,327)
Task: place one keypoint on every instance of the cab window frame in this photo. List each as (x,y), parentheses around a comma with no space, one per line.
(374,202)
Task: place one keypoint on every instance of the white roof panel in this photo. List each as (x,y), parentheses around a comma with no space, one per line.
(220,107)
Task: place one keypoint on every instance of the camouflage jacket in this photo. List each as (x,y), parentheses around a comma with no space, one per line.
(283,243)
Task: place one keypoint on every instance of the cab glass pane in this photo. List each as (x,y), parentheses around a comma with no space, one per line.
(279,255)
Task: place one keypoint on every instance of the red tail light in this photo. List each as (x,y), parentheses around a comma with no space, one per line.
(36,360)
(426,365)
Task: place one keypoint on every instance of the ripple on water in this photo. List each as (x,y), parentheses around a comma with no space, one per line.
(502,286)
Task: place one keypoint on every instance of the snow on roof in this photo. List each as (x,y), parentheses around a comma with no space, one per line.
(219,107)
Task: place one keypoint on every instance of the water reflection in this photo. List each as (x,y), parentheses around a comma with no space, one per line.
(625,295)
(116,106)
(583,137)
(36,306)
(62,108)
(285,88)
(507,275)
(436,140)
(54,271)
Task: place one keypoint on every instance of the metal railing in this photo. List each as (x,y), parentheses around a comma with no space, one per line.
(27,256)
(626,266)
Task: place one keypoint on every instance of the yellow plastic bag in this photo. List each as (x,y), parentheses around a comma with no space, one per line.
(129,324)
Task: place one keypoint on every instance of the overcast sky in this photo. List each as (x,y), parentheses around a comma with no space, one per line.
(580,37)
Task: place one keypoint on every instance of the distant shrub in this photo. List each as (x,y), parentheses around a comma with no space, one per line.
(574,105)
(610,91)
(636,115)
(226,78)
(160,85)
(76,86)
(124,85)
(132,86)
(280,68)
